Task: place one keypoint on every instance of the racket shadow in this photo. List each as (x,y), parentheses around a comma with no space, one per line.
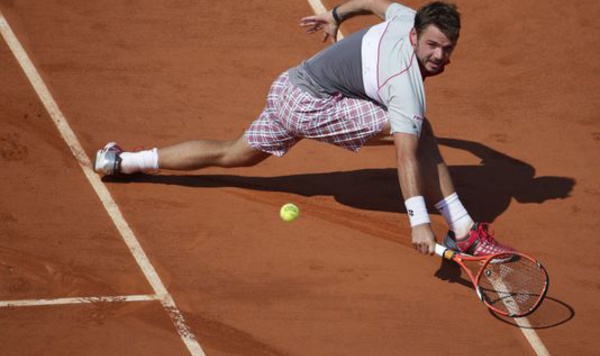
(452,273)
(551,313)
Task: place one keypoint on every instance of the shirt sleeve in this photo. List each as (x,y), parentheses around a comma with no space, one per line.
(405,104)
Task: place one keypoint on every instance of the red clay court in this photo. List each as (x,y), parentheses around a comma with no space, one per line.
(200,263)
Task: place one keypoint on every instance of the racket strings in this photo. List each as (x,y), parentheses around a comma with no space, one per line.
(513,287)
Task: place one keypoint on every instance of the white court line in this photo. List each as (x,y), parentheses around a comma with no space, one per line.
(78,300)
(318,8)
(105,197)
(524,324)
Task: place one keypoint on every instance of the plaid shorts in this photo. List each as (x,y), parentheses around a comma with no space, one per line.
(292,114)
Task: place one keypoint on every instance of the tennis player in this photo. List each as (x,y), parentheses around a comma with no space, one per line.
(365,89)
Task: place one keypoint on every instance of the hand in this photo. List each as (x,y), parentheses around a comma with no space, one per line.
(322,22)
(423,239)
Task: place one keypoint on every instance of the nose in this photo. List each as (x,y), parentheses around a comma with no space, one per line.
(438,54)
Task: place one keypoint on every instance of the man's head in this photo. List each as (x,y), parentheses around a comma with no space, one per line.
(434,36)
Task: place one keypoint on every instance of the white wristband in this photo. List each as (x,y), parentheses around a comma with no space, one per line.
(417,211)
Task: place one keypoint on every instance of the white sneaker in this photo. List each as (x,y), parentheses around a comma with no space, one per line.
(108,160)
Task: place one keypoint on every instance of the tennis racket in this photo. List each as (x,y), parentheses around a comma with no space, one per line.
(510,284)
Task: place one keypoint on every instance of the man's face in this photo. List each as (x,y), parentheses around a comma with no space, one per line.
(433,50)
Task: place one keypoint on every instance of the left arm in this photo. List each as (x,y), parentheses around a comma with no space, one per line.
(329,25)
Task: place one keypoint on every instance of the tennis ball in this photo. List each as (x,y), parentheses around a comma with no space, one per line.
(289,212)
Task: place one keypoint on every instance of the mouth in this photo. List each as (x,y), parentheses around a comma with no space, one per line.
(436,66)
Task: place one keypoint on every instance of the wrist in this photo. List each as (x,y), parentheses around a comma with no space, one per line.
(417,211)
(336,15)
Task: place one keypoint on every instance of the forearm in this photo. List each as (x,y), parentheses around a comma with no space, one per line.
(410,179)
(409,176)
(361,7)
(409,170)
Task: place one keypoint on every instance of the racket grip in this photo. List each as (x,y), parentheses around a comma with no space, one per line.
(439,250)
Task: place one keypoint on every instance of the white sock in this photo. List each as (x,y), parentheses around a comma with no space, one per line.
(455,215)
(133,162)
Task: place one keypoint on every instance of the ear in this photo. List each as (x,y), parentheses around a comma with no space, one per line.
(413,38)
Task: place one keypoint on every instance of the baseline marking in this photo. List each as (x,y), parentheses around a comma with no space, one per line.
(526,328)
(78,300)
(105,197)
(524,324)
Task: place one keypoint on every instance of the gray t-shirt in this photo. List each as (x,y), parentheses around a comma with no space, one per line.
(378,64)
(336,69)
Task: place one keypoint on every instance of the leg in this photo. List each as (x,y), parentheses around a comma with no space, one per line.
(438,185)
(192,155)
(184,156)
(437,181)
(266,133)
(383,138)
(464,235)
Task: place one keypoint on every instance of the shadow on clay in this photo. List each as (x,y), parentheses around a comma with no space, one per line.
(486,189)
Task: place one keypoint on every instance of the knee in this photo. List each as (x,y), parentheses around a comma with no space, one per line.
(240,154)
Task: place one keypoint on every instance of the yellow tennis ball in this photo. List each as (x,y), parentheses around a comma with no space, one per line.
(289,212)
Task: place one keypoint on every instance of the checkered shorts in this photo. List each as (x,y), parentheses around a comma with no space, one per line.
(292,114)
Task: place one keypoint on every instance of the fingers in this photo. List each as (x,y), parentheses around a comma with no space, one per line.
(421,247)
(333,38)
(312,28)
(426,248)
(312,22)
(431,248)
(308,20)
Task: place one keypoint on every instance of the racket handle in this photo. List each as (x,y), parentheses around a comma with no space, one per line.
(444,252)
(439,250)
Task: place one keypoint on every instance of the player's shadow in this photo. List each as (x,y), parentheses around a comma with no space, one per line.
(486,189)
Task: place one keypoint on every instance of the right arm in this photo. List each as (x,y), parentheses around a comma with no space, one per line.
(328,24)
(411,186)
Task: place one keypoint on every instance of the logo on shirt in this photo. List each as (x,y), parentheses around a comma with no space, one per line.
(418,118)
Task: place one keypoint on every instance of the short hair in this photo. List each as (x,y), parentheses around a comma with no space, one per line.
(444,16)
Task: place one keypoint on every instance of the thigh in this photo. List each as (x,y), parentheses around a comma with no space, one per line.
(241,153)
(384,137)
(428,145)
(268,133)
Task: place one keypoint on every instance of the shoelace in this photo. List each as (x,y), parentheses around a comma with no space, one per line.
(485,235)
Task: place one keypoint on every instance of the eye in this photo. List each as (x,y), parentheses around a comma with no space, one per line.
(448,49)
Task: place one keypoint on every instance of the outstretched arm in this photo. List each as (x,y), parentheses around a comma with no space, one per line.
(411,184)
(329,21)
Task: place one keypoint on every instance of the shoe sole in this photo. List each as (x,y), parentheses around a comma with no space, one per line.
(97,166)
(99,163)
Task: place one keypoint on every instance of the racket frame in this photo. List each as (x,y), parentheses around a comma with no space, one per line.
(483,261)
